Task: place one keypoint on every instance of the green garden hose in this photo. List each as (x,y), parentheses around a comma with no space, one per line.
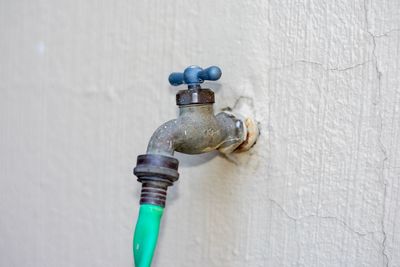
(146,234)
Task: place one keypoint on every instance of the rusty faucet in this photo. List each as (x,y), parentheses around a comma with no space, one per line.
(196,130)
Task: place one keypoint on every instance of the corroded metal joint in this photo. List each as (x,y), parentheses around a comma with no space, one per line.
(156,173)
(195,96)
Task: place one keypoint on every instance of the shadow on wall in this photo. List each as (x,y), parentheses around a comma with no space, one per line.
(186,160)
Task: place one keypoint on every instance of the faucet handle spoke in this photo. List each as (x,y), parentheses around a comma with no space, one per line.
(175,78)
(212,73)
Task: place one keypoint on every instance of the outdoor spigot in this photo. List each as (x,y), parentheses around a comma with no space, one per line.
(196,130)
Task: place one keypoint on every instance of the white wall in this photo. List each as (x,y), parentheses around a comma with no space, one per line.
(83,84)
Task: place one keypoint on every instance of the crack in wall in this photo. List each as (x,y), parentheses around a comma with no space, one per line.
(386,34)
(320,65)
(336,68)
(377,102)
(381,146)
(314,215)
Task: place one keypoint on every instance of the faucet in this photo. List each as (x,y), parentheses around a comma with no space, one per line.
(196,130)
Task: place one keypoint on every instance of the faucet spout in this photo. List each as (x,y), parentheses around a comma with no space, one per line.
(163,139)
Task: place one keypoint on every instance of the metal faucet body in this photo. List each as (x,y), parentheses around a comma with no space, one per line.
(197,130)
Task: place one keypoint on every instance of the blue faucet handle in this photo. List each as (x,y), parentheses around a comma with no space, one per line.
(194,76)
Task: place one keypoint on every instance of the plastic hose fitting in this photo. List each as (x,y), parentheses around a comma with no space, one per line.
(156,173)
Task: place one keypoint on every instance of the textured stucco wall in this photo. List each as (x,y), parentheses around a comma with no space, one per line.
(83,84)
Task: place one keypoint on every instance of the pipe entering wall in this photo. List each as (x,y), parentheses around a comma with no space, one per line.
(196,130)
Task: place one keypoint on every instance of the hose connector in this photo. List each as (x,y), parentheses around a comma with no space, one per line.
(155,172)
